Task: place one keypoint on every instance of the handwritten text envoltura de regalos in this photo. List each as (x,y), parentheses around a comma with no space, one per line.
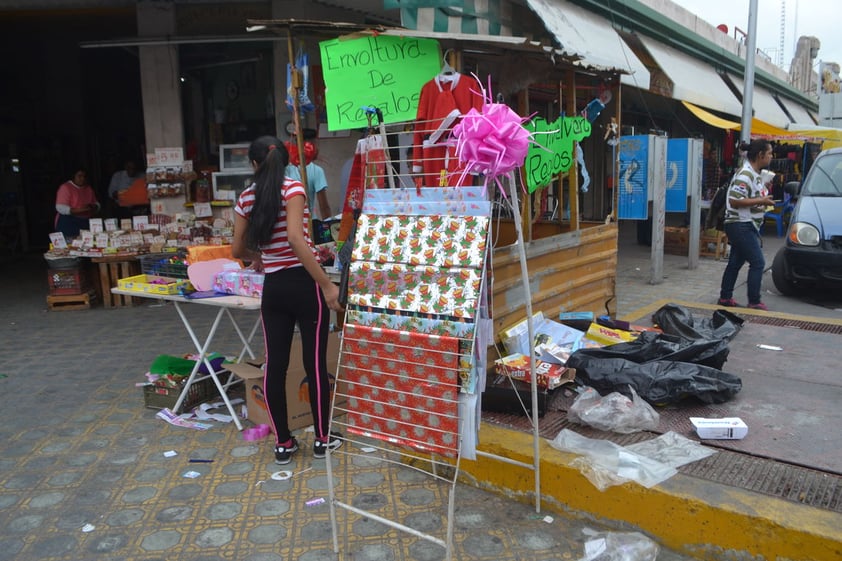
(381,71)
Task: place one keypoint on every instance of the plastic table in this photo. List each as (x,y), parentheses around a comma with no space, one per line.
(225,305)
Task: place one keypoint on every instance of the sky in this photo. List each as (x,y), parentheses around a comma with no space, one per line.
(818,18)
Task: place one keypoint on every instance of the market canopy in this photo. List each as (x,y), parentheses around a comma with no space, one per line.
(764,104)
(758,128)
(829,137)
(690,79)
(590,39)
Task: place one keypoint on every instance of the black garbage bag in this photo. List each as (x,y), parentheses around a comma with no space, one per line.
(651,346)
(659,382)
(677,320)
(685,360)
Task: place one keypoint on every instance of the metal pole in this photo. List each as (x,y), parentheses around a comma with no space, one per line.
(748,91)
(533,380)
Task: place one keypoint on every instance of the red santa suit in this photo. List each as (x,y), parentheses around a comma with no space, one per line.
(443,100)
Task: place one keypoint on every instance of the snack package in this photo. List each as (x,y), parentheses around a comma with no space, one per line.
(549,376)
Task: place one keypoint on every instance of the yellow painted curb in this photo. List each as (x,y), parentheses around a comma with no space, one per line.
(646,312)
(695,517)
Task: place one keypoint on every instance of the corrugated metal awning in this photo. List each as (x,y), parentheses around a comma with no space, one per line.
(591,39)
(693,80)
(799,113)
(766,107)
(467,40)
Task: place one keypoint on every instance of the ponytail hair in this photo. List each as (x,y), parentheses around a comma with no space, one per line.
(271,158)
(754,148)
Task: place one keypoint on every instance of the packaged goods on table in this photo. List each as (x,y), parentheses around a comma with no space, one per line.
(242,282)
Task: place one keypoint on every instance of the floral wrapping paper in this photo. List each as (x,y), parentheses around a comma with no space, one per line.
(415,285)
(422,289)
(456,208)
(459,201)
(402,387)
(459,329)
(438,241)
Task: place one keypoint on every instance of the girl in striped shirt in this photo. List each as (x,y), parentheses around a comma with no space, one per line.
(271,229)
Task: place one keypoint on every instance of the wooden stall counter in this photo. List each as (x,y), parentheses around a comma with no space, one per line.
(111,269)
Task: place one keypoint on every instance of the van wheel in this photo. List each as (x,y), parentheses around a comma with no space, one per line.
(780,275)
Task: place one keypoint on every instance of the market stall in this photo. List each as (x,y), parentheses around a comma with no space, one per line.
(538,254)
(543,256)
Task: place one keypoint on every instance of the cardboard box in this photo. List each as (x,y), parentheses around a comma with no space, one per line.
(242,282)
(550,376)
(727,428)
(577,320)
(606,336)
(298,401)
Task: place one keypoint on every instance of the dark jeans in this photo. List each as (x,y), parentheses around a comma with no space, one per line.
(745,246)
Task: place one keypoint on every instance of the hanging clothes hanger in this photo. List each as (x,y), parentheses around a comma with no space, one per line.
(448,73)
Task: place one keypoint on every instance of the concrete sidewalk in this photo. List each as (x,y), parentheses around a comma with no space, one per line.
(83,473)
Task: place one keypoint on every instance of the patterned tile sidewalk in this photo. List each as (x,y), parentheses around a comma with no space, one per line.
(80,452)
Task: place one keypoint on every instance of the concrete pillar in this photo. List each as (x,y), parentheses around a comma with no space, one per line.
(159,76)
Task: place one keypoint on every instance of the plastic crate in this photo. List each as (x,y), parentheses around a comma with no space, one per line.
(171,265)
(163,397)
(66,282)
(63,262)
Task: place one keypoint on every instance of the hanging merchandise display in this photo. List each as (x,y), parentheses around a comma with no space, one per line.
(490,139)
(302,64)
(416,331)
(368,171)
(444,99)
(413,404)
(416,288)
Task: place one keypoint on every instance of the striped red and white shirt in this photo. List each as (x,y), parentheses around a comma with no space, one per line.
(278,254)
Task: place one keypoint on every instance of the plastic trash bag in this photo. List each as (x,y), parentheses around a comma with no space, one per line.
(651,345)
(613,412)
(619,546)
(660,382)
(684,339)
(672,449)
(666,368)
(677,320)
(605,463)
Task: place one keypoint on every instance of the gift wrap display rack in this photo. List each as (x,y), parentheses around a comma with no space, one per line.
(414,339)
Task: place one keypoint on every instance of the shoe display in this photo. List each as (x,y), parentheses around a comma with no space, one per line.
(333,442)
(728,303)
(758,306)
(283,454)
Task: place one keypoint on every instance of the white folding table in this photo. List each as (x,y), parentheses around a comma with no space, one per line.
(225,305)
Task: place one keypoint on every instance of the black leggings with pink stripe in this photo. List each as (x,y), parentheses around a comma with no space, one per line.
(291,297)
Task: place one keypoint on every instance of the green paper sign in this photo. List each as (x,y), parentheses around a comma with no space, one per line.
(552,151)
(381,71)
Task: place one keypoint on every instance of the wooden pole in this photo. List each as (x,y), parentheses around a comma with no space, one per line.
(524,216)
(296,86)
